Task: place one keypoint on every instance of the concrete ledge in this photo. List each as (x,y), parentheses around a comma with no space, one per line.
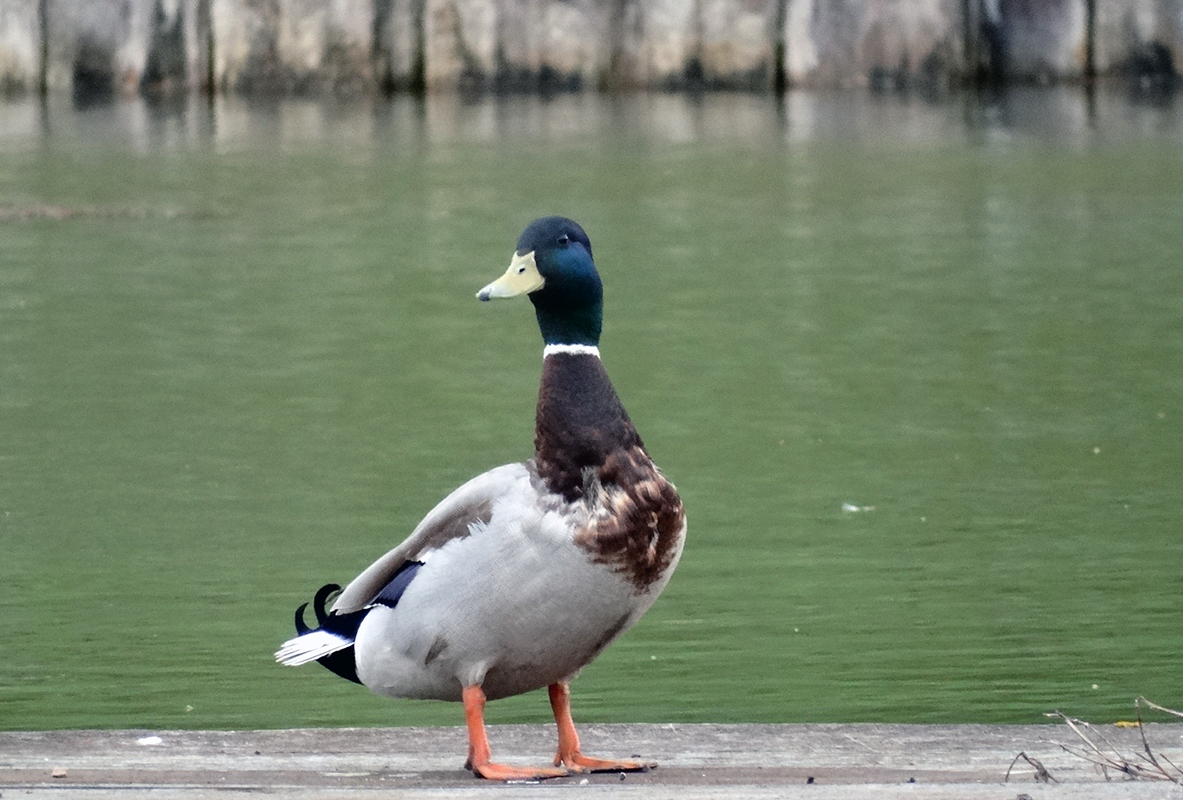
(821,762)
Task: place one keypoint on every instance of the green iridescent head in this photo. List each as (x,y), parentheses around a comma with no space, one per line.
(553,265)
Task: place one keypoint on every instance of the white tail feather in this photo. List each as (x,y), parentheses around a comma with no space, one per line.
(309,647)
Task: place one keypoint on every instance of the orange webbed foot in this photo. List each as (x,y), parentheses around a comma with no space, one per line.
(568,754)
(578,762)
(505,772)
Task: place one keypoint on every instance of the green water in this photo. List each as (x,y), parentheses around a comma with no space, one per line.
(240,356)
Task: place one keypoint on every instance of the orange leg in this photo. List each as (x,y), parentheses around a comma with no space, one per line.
(568,754)
(478,746)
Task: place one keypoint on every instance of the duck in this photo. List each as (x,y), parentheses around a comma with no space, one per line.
(522,576)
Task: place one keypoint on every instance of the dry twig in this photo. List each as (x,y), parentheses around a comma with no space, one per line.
(1142,701)
(1100,751)
(1041,773)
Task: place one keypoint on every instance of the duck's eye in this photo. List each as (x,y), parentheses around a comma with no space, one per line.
(564,239)
(522,269)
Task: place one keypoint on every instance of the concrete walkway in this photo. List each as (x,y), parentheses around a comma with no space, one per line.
(819,762)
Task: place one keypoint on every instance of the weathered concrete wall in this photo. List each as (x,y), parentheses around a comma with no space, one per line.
(736,43)
(515,45)
(20,46)
(292,46)
(708,44)
(98,48)
(571,44)
(1142,39)
(886,44)
(1036,40)
(398,47)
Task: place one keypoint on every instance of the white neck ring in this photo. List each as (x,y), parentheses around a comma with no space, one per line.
(571,349)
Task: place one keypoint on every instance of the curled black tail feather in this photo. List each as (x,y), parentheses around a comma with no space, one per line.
(319,601)
(341,662)
(345,625)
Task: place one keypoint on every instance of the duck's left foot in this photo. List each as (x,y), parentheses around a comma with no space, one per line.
(568,754)
(504,772)
(578,762)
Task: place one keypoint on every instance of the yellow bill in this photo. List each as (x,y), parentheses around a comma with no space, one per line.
(522,277)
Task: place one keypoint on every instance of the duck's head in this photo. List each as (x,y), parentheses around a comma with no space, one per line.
(553,265)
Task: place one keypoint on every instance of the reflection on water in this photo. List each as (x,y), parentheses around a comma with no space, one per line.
(1067,116)
(240,357)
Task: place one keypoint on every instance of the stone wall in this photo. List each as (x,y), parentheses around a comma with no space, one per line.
(20,45)
(1142,39)
(884,44)
(99,48)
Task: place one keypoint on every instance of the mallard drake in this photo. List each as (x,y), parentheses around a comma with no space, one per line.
(522,576)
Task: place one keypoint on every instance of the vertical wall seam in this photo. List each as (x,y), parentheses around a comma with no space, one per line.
(43,47)
(780,76)
(1090,39)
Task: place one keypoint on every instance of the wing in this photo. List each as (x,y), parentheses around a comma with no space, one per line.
(452,518)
